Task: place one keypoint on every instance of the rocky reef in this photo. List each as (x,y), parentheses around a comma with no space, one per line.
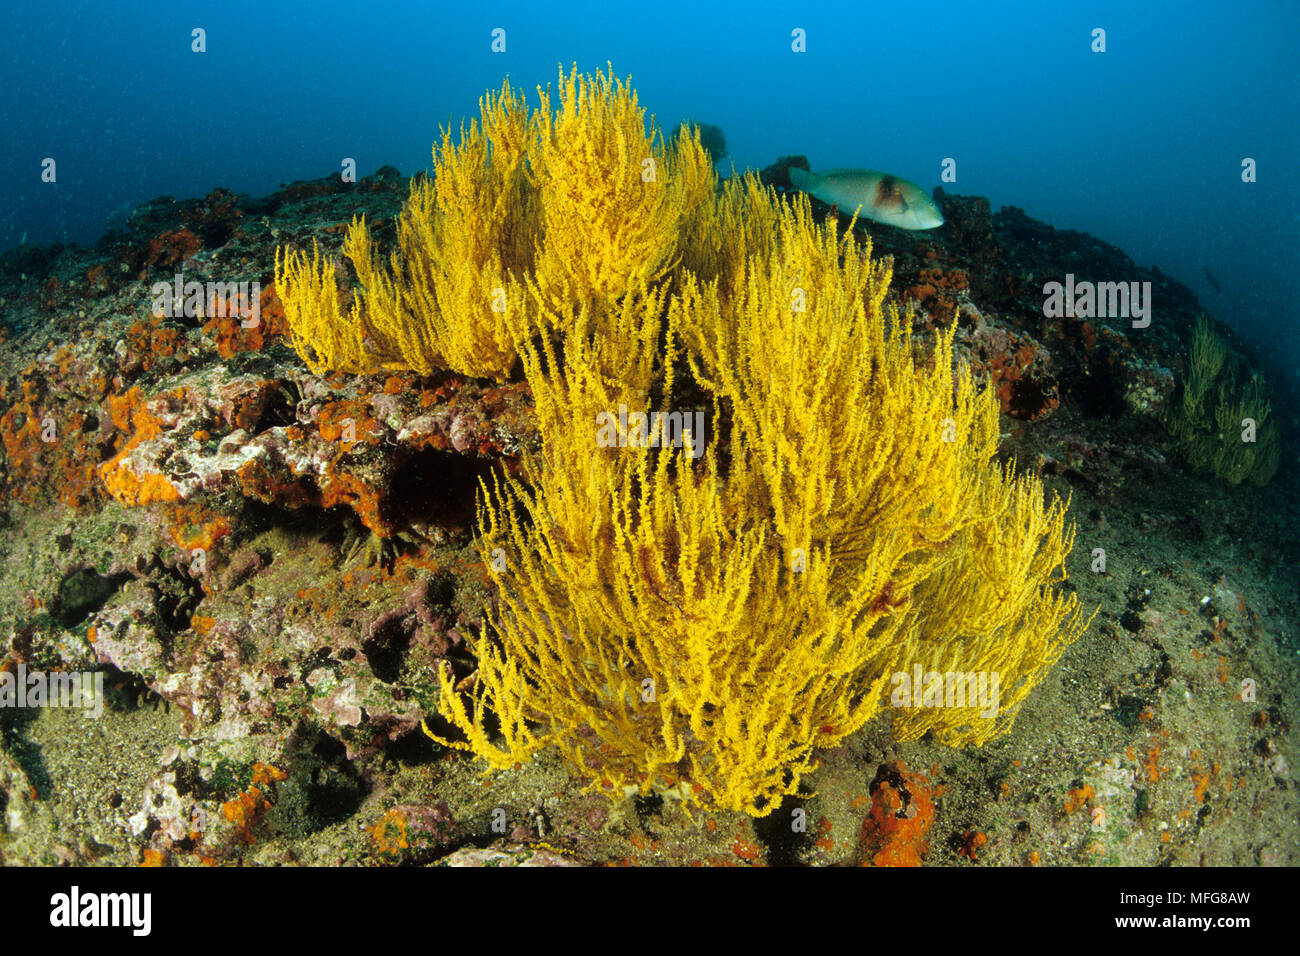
(270,566)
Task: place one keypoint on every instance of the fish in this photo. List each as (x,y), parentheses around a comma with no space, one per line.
(874,195)
(1214,282)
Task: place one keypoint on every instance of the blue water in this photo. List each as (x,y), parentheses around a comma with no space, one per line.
(1141,145)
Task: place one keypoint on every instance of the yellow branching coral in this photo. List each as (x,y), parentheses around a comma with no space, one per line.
(991,611)
(1223,421)
(576,207)
(612,199)
(467,240)
(327,337)
(702,625)
(858,442)
(381,309)
(696,186)
(722,235)
(679,611)
(610,357)
(636,635)
(465,245)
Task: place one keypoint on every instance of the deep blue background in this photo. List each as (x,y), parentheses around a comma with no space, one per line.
(1140,146)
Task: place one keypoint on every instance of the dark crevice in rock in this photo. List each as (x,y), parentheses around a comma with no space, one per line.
(386,647)
(785,843)
(323,787)
(83,592)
